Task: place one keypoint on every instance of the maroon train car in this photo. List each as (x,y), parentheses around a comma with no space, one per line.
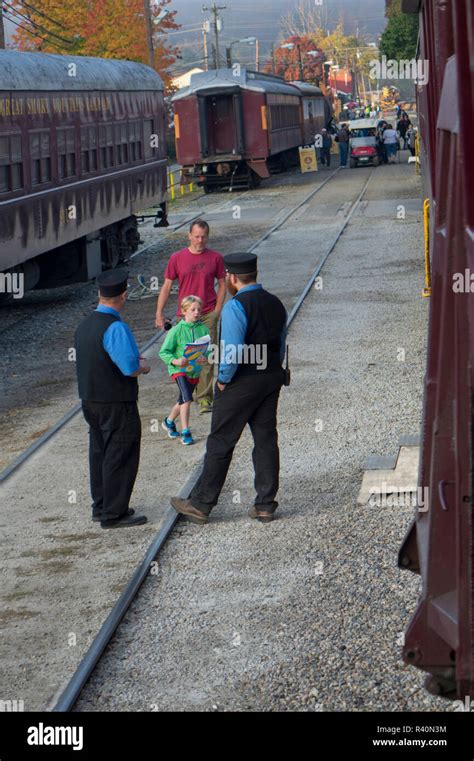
(234,126)
(316,111)
(82,149)
(440,542)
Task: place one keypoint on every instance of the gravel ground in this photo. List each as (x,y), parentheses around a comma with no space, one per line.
(51,552)
(304,614)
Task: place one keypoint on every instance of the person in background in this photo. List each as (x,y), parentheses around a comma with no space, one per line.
(197,268)
(411,139)
(186,376)
(342,138)
(390,139)
(381,149)
(325,150)
(402,126)
(107,365)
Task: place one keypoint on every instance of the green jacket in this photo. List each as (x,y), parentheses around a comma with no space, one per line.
(173,346)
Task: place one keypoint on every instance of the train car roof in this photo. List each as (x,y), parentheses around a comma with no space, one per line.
(37,72)
(219,79)
(308,89)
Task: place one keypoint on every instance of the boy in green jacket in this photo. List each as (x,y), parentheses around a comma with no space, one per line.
(185,373)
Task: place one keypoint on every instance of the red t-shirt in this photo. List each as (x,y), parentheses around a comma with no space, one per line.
(196,275)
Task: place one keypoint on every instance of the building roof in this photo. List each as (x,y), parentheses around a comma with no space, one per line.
(308,89)
(32,72)
(220,79)
(183,80)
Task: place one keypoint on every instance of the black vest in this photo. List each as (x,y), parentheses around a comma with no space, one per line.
(266,318)
(98,378)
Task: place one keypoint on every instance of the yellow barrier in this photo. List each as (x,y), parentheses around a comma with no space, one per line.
(172,184)
(426,226)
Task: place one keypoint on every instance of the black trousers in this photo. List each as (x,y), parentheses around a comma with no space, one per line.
(251,399)
(326,156)
(114,454)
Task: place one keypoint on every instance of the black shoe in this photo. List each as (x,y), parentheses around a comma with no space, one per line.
(264,516)
(125,521)
(98,517)
(184,507)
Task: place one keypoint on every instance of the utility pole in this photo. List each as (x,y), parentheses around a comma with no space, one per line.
(300,62)
(214,9)
(204,36)
(2,30)
(149,33)
(257,55)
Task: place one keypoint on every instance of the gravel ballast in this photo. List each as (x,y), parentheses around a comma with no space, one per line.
(306,613)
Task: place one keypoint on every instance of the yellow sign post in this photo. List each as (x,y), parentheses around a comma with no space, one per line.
(308,161)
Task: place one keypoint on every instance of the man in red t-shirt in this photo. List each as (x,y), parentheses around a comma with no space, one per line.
(196,269)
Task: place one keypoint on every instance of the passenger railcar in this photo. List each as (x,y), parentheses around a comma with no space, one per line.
(316,111)
(440,542)
(82,148)
(234,126)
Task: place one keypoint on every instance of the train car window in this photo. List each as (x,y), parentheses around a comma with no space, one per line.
(284,116)
(121,143)
(4,164)
(148,151)
(11,163)
(106,144)
(135,141)
(66,152)
(40,152)
(89,149)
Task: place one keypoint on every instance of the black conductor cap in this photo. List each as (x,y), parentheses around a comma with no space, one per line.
(240,264)
(112,283)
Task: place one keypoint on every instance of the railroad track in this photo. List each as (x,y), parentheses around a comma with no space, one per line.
(33,312)
(71,693)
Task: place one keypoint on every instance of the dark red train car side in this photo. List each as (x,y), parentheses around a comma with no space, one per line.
(234,126)
(82,148)
(316,111)
(440,542)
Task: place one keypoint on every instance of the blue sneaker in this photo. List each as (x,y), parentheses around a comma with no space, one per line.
(170,428)
(186,437)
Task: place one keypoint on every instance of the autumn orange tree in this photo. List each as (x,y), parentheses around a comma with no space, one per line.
(101,28)
(286,61)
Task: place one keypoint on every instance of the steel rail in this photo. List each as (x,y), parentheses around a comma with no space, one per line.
(70,694)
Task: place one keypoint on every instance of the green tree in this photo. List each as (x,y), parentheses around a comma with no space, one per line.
(399,40)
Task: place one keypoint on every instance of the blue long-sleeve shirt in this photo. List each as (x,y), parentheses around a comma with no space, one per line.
(233,331)
(119,343)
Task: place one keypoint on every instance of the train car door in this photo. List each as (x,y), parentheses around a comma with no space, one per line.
(221,124)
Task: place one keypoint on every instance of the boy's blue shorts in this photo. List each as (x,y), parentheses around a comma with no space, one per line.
(186,389)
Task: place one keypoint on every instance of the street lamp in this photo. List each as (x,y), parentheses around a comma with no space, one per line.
(291,46)
(244,41)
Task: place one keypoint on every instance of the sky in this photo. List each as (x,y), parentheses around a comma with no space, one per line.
(262,18)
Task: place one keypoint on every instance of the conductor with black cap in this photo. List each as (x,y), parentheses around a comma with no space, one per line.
(108,363)
(252,349)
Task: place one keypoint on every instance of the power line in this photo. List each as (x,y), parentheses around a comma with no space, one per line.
(33,34)
(40,13)
(37,26)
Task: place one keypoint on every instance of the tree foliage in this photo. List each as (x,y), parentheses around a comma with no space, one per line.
(99,28)
(345,51)
(399,40)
